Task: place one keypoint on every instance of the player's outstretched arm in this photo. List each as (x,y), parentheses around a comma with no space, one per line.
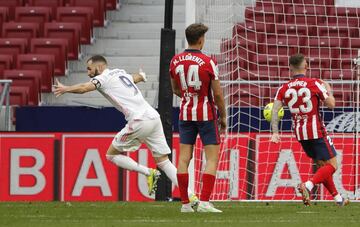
(60,89)
(219,101)
(275,137)
(175,88)
(330,100)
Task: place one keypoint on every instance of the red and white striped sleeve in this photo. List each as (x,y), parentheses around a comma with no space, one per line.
(279,94)
(213,69)
(320,90)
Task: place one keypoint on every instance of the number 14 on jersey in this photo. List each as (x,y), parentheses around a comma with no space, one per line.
(191,79)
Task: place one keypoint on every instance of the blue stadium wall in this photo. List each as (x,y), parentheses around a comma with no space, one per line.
(108,119)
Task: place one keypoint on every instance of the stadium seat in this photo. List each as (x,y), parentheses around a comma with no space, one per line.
(229,45)
(283,4)
(267,62)
(42,62)
(343,94)
(260,26)
(317,62)
(6,62)
(325,47)
(335,31)
(112,4)
(345,61)
(55,47)
(20,30)
(13,46)
(344,17)
(314,73)
(98,7)
(264,14)
(33,83)
(262,75)
(315,2)
(70,31)
(346,74)
(4,16)
(285,74)
(83,15)
(49,3)
(306,15)
(354,44)
(295,30)
(280,46)
(248,94)
(36,14)
(248,32)
(19,95)
(11,4)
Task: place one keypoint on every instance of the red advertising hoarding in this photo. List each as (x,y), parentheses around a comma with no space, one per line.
(250,167)
(280,167)
(86,175)
(27,167)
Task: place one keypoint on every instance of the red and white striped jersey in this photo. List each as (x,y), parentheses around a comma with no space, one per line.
(302,95)
(193,72)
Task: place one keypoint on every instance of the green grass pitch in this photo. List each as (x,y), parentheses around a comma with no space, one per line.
(115,214)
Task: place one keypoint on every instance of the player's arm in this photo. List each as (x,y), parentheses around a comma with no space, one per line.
(219,101)
(139,77)
(330,99)
(175,88)
(275,137)
(60,89)
(274,116)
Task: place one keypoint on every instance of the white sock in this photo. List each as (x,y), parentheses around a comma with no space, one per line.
(309,185)
(171,171)
(128,163)
(187,205)
(204,203)
(338,198)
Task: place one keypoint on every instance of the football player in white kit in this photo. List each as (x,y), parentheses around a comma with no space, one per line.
(144,124)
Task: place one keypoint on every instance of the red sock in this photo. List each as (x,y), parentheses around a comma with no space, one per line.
(330,186)
(323,173)
(208,182)
(183,181)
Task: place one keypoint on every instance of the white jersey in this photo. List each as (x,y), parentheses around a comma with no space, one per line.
(119,88)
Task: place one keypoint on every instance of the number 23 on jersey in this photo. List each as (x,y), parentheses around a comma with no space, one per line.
(304,93)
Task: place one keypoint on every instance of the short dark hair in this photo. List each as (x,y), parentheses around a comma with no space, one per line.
(296,60)
(194,31)
(97,59)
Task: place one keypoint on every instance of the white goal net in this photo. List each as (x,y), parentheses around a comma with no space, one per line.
(252,41)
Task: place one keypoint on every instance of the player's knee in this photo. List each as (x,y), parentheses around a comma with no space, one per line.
(161,158)
(334,164)
(112,151)
(183,163)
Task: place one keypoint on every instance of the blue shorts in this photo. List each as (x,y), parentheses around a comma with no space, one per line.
(319,149)
(208,130)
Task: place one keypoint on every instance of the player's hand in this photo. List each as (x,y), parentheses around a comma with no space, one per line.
(59,88)
(275,138)
(143,75)
(223,124)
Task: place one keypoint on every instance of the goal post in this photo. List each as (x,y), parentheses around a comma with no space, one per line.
(252,41)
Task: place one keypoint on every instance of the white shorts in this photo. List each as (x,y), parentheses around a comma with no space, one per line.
(135,133)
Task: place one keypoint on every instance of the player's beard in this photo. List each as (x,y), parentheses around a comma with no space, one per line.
(95,74)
